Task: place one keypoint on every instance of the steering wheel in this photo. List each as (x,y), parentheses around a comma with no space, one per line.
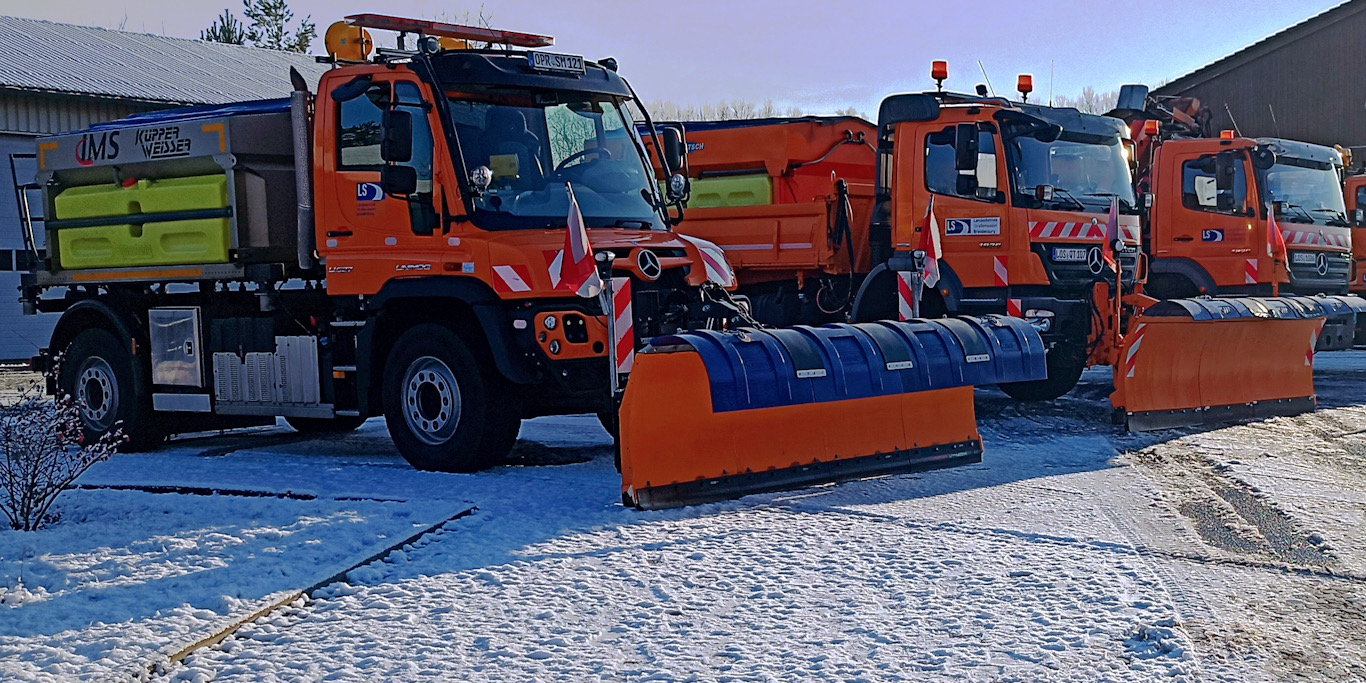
(600,151)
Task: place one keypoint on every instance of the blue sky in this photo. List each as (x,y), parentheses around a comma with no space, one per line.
(819,56)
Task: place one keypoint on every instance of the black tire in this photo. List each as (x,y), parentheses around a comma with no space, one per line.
(324,425)
(100,374)
(1065,365)
(438,403)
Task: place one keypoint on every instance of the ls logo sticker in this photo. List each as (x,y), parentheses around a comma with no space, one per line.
(369,192)
(955,226)
(1212,236)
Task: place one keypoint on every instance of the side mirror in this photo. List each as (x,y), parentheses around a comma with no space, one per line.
(1224,171)
(965,147)
(398,181)
(1358,216)
(672,141)
(397,145)
(1044,193)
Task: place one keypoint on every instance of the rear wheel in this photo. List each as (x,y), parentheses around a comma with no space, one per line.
(440,406)
(1065,365)
(323,425)
(98,374)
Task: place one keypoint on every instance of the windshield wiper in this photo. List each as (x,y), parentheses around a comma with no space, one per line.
(1303,212)
(1122,202)
(1058,191)
(1337,215)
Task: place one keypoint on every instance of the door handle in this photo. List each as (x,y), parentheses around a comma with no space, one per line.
(1183,238)
(339,233)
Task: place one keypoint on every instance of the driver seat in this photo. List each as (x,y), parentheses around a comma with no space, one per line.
(506,133)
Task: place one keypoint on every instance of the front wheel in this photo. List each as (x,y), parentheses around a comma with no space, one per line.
(1065,365)
(438,403)
(98,372)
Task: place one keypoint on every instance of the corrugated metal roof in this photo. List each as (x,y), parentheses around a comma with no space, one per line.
(64,58)
(1261,48)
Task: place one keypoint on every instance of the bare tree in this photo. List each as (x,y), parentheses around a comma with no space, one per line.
(663,110)
(1089,101)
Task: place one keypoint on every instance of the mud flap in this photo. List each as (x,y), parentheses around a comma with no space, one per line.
(713,415)
(1208,361)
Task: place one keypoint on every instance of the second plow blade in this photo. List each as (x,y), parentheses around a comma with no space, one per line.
(714,415)
(1207,361)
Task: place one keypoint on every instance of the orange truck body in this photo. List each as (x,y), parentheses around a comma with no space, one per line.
(1355,198)
(768,192)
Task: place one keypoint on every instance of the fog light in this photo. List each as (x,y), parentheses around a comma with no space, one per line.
(555,347)
(550,322)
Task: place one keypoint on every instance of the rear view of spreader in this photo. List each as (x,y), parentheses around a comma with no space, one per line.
(713,415)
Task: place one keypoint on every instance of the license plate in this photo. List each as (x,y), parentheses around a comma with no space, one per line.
(1304,257)
(1073,254)
(551,61)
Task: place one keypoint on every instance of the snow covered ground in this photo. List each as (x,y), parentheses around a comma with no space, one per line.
(1073,552)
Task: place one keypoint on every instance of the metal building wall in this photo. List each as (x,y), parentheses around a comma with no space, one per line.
(23,117)
(1311,74)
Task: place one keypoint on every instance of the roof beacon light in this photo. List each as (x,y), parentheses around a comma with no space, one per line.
(939,71)
(1152,127)
(1025,85)
(1225,135)
(436,28)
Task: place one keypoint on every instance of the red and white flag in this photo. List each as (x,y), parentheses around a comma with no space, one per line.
(1107,250)
(929,243)
(1275,240)
(575,269)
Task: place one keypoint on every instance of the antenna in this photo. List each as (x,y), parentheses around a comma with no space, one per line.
(1233,120)
(1274,123)
(1050,82)
(985,76)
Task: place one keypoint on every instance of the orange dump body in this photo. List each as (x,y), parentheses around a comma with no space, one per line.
(1356,199)
(766,192)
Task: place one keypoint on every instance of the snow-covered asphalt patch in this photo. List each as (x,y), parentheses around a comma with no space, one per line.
(1073,552)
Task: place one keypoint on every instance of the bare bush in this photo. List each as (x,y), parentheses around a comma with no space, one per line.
(42,451)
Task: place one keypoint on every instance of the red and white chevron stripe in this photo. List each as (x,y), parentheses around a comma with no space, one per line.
(624,327)
(1251,271)
(1322,237)
(714,259)
(1015,308)
(999,270)
(511,279)
(1131,358)
(1088,231)
(1309,355)
(905,296)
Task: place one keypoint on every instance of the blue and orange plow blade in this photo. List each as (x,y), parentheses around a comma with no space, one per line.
(714,415)
(1201,361)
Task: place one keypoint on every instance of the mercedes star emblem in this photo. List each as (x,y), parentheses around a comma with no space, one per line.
(1094,260)
(649,265)
(1322,263)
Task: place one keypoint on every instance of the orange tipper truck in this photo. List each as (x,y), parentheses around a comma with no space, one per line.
(789,200)
(1021,195)
(398,245)
(1210,204)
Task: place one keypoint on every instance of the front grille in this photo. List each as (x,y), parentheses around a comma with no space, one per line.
(1305,278)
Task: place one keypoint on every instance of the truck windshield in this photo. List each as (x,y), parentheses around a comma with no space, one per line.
(532,149)
(1084,171)
(1309,191)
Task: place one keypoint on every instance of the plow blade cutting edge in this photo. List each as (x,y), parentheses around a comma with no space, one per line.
(714,415)
(1206,361)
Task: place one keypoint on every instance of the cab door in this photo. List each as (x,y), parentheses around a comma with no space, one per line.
(367,235)
(969,204)
(1208,215)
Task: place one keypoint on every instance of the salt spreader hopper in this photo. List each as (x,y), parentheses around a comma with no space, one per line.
(710,415)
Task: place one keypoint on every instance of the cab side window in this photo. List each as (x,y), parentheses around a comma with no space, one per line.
(361,129)
(1200,189)
(941,173)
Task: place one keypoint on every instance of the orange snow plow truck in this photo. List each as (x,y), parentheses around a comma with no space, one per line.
(1021,195)
(1212,200)
(395,246)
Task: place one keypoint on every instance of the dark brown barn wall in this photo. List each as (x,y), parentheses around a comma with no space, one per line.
(1315,80)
